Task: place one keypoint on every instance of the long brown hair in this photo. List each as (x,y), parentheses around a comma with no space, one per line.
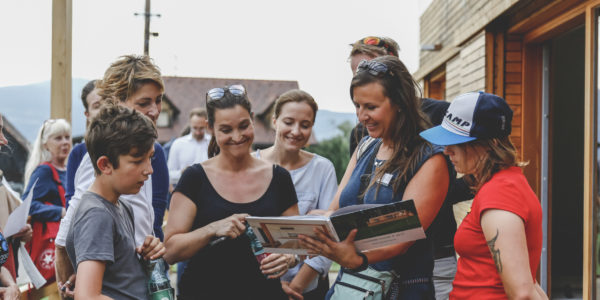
(499,154)
(401,89)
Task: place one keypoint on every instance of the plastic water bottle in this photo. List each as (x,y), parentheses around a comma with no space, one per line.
(159,285)
(257,248)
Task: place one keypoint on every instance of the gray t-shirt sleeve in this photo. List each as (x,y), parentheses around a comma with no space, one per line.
(93,235)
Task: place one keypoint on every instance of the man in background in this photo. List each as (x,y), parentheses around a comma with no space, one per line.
(189,149)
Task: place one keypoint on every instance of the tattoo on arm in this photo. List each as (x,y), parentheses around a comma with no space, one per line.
(495,252)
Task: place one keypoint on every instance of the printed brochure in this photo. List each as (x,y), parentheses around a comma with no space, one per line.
(378,226)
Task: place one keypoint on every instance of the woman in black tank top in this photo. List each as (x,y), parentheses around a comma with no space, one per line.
(211,202)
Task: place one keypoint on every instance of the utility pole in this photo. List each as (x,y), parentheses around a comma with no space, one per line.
(147,14)
(147,28)
(60,84)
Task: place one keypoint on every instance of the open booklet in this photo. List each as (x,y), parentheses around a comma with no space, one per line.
(378,226)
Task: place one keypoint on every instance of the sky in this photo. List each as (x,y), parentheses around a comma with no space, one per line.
(307,40)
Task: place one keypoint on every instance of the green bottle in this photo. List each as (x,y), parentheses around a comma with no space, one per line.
(159,285)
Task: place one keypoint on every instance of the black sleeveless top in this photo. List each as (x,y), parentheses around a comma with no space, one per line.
(229,270)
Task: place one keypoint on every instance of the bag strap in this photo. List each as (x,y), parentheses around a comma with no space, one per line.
(59,186)
(362,147)
(365,178)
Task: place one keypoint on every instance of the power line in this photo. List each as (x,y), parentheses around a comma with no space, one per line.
(147,15)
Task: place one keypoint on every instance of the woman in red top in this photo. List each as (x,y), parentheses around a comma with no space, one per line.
(500,240)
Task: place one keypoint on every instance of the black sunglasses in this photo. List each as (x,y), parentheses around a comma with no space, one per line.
(237,90)
(374,68)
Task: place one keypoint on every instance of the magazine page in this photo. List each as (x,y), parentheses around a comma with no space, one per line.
(379,226)
(280,234)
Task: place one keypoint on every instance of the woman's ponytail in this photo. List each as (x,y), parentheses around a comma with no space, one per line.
(213,148)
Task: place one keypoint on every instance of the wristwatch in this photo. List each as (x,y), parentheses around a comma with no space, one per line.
(364,265)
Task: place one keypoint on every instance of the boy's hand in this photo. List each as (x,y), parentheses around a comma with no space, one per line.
(66,290)
(152,248)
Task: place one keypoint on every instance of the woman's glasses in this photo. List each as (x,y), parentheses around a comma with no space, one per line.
(237,90)
(374,68)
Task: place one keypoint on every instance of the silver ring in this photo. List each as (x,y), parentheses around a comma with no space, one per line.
(68,283)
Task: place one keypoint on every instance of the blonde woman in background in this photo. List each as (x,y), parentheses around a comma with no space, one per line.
(50,150)
(47,166)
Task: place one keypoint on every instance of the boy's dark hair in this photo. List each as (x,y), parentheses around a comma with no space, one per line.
(87,89)
(117,130)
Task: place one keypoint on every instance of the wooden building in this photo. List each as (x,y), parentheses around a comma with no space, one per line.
(542,57)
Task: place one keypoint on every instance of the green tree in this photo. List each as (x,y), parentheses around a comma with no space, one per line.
(336,149)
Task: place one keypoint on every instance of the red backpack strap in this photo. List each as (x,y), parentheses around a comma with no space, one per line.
(56,178)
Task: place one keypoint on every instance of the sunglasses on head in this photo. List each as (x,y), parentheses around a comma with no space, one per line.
(374,68)
(237,90)
(377,42)
(47,123)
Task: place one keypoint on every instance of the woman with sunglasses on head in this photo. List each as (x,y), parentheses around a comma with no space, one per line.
(313,176)
(500,240)
(213,198)
(444,226)
(394,164)
(47,165)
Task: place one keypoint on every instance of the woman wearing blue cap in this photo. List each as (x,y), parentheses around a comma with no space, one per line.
(500,240)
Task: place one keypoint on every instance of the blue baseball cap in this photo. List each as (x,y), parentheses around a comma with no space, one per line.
(471,116)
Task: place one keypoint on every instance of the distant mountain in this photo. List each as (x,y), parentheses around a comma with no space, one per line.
(327,122)
(27,106)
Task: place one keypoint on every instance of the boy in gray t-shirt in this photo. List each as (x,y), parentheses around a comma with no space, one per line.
(103,231)
(101,239)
